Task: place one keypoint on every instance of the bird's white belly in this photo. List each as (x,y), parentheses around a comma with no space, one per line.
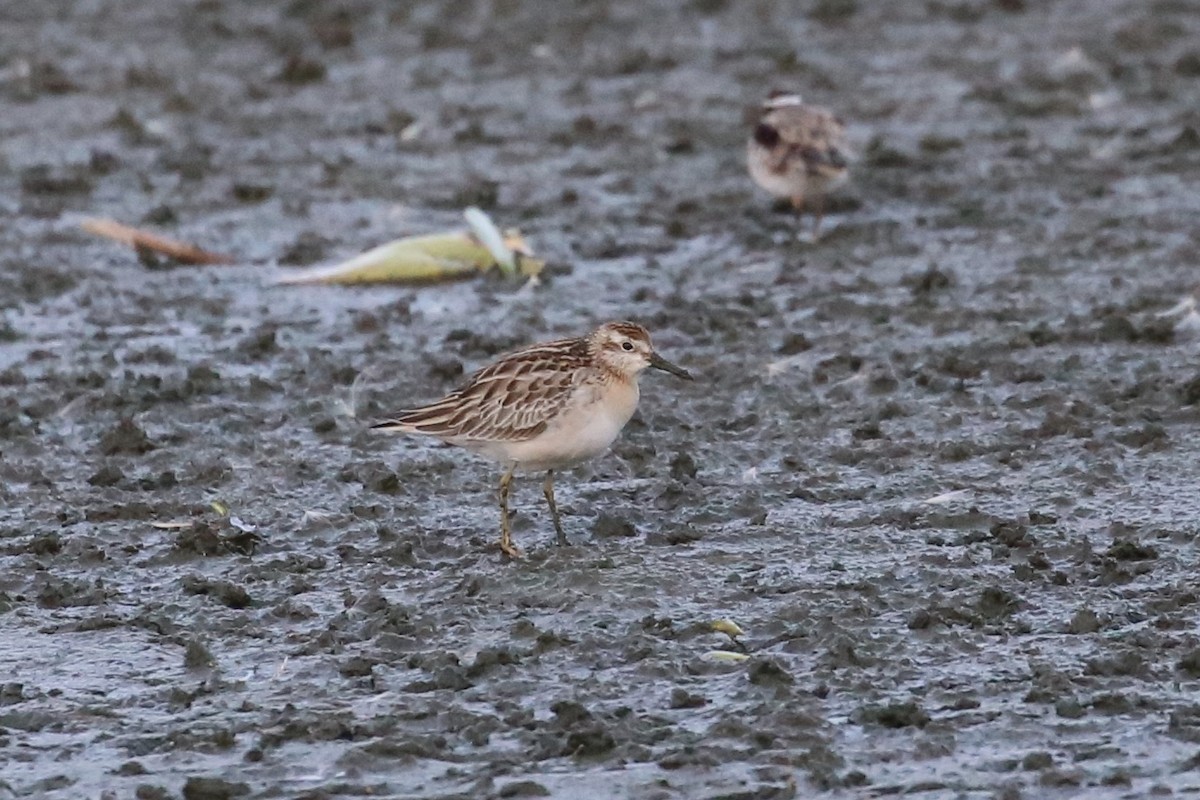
(786,184)
(585,431)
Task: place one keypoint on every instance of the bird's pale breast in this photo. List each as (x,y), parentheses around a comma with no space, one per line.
(586,428)
(788,183)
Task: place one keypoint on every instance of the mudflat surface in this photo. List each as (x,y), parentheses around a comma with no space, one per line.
(942,467)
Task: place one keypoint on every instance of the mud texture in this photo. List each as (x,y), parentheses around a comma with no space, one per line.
(942,467)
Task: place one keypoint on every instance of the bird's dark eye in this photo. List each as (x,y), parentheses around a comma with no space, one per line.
(628,346)
(766,135)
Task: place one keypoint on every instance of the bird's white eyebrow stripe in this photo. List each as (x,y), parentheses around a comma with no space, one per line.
(784,100)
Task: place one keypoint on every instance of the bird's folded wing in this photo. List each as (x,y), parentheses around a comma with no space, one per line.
(512,400)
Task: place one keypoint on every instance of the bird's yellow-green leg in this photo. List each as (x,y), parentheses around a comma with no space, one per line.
(506,544)
(548,490)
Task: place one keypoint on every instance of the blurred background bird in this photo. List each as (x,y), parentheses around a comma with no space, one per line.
(798,152)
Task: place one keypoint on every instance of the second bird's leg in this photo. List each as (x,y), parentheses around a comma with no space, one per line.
(506,544)
(798,206)
(548,490)
(818,215)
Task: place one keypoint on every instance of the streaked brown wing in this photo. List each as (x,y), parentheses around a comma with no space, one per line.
(513,399)
(810,136)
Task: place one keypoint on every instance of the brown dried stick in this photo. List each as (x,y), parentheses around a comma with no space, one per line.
(143,240)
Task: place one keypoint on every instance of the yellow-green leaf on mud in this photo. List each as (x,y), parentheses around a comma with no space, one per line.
(430,258)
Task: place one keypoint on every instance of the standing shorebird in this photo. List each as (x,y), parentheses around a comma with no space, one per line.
(548,406)
(797,151)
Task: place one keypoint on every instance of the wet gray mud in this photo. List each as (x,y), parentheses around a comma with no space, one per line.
(942,467)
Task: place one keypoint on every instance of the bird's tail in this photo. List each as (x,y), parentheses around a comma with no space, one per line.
(397,425)
(436,419)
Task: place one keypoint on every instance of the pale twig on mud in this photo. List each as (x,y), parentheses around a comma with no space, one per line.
(1185,316)
(1186,304)
(349,407)
(314,515)
(1189,326)
(854,381)
(70,408)
(805,360)
(245,527)
(947,497)
(412,131)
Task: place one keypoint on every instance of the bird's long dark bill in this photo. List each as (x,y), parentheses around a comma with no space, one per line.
(658,362)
